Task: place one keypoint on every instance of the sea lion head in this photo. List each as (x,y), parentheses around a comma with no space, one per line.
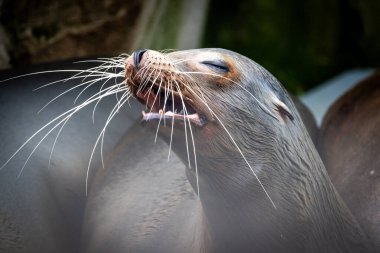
(222,103)
(215,90)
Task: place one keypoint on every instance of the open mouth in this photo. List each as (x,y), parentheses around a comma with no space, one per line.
(166,104)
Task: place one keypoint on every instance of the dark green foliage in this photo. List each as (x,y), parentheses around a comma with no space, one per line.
(301,42)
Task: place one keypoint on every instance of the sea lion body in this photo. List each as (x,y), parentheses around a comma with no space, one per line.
(262,185)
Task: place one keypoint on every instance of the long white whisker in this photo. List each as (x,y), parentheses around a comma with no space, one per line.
(117,63)
(192,138)
(113,112)
(95,71)
(157,94)
(125,94)
(55,140)
(184,121)
(171,135)
(59,81)
(161,115)
(42,72)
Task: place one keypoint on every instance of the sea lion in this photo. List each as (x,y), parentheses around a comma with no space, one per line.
(349,146)
(42,208)
(260,184)
(119,196)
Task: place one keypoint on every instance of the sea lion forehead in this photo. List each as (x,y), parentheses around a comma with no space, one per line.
(222,66)
(207,54)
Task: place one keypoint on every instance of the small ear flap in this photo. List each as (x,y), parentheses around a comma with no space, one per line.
(281,108)
(284,110)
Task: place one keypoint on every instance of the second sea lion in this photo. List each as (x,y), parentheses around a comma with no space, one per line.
(349,144)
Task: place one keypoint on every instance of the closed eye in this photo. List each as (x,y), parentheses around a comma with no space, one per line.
(218,66)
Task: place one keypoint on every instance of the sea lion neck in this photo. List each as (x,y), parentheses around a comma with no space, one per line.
(292,173)
(307,207)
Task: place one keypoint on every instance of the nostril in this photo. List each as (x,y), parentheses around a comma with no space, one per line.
(137,55)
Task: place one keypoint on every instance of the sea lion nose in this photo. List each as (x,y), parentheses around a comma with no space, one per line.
(137,55)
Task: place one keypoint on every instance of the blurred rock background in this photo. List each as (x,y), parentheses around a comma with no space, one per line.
(301,42)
